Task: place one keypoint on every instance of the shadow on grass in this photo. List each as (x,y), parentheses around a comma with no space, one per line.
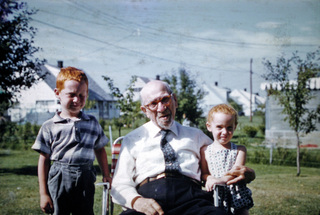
(26,170)
(33,170)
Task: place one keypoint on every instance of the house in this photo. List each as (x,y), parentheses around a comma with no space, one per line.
(278,132)
(39,103)
(242,97)
(214,95)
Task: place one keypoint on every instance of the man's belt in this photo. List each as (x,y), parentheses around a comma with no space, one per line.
(167,175)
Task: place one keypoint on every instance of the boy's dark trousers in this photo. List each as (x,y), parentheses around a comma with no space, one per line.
(72,188)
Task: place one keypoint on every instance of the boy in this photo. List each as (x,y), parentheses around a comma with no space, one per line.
(221,156)
(71,139)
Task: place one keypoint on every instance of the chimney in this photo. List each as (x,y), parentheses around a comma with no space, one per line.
(158,77)
(60,64)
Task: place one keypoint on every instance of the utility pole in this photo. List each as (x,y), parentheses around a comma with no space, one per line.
(251,90)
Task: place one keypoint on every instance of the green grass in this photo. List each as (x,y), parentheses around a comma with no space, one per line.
(276,189)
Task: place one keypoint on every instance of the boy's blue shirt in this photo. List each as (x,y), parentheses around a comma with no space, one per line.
(70,141)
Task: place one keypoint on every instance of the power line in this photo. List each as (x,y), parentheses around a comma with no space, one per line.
(179,35)
(119,47)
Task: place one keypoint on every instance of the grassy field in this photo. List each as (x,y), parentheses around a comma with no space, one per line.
(276,189)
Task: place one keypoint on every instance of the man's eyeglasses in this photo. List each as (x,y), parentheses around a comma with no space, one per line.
(165,100)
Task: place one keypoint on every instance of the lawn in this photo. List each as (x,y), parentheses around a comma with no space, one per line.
(276,189)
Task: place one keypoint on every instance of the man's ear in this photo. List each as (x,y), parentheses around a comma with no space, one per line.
(144,110)
(175,100)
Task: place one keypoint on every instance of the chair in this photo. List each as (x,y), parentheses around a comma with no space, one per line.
(106,198)
(215,195)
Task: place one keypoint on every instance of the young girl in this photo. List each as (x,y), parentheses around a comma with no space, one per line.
(220,157)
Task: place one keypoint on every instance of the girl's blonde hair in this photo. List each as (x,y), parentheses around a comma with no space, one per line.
(70,73)
(223,108)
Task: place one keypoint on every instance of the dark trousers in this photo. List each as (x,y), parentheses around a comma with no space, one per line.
(72,188)
(178,196)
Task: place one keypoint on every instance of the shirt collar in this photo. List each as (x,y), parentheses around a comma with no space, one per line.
(155,130)
(58,119)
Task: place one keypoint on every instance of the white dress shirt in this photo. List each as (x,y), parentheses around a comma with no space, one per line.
(141,157)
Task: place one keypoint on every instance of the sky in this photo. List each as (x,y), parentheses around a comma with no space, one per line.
(214,40)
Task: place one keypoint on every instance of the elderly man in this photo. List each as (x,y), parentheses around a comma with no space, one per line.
(158,168)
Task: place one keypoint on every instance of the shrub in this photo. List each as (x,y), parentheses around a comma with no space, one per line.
(262,129)
(250,131)
(283,156)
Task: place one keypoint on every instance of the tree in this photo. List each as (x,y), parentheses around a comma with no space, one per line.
(19,68)
(295,95)
(188,94)
(130,110)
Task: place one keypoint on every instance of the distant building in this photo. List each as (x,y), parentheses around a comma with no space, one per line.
(138,85)
(214,95)
(217,95)
(278,131)
(242,97)
(39,103)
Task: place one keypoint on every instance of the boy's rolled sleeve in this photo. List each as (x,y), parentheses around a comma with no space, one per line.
(42,142)
(102,140)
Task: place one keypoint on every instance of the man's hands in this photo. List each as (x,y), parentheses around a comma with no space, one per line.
(46,204)
(240,173)
(147,206)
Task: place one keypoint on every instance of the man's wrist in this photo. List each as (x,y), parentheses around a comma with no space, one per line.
(134,200)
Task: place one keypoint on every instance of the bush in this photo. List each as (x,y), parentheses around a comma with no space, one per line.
(283,156)
(16,136)
(262,129)
(250,131)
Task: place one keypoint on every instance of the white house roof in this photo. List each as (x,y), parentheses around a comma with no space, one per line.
(243,98)
(214,95)
(95,91)
(314,84)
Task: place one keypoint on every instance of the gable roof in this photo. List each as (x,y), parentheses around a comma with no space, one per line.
(95,91)
(214,95)
(243,97)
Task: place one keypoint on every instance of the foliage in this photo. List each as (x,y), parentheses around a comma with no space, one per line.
(130,110)
(250,131)
(188,94)
(236,106)
(90,104)
(16,136)
(19,68)
(283,156)
(295,95)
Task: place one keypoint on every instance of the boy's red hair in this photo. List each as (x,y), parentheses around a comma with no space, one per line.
(70,73)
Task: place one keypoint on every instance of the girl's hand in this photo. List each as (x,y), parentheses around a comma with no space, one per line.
(210,183)
(241,173)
